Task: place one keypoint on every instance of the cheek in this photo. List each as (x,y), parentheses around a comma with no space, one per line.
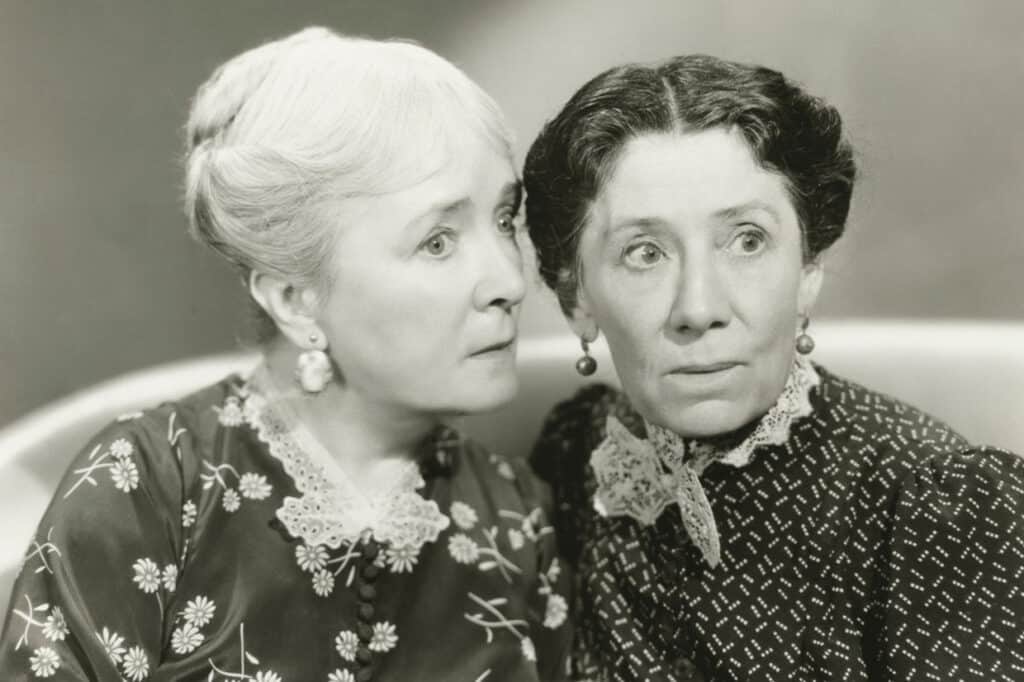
(767,303)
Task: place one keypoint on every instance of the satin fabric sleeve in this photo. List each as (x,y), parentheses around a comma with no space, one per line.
(92,598)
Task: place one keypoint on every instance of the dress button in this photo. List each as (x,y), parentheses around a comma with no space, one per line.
(371,572)
(370,550)
(364,675)
(364,631)
(364,656)
(366,612)
(367,592)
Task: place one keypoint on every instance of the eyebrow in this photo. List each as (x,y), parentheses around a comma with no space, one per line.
(740,209)
(513,190)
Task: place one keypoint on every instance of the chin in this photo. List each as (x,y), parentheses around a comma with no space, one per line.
(489,395)
(706,419)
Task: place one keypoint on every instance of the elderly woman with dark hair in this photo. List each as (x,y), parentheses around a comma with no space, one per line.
(738,512)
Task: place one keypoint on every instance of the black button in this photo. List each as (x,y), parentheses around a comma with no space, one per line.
(367,592)
(371,550)
(364,631)
(364,675)
(366,612)
(364,656)
(371,572)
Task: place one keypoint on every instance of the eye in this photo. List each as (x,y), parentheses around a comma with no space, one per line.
(748,242)
(439,244)
(643,255)
(507,223)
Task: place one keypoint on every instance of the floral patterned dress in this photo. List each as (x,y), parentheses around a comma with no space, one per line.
(212,539)
(847,537)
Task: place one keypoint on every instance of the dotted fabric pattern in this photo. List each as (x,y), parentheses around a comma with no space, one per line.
(875,544)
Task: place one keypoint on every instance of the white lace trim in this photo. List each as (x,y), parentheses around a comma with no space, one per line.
(639,478)
(332,510)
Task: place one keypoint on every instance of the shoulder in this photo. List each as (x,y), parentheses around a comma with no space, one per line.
(575,426)
(147,447)
(875,431)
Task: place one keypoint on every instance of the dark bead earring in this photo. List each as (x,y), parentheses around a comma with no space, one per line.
(586,365)
(804,342)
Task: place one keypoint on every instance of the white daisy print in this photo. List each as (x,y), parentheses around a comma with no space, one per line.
(402,559)
(121,448)
(323,583)
(125,475)
(199,611)
(341,676)
(230,414)
(186,638)
(347,643)
(254,486)
(113,644)
(556,611)
(170,577)
(188,513)
(311,558)
(529,651)
(515,538)
(463,549)
(267,676)
(464,516)
(44,661)
(136,665)
(231,501)
(55,628)
(384,637)
(506,472)
(554,570)
(147,575)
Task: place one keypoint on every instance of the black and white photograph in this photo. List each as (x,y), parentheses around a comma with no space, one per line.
(511,341)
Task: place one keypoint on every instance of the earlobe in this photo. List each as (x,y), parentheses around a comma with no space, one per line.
(581,321)
(292,309)
(810,286)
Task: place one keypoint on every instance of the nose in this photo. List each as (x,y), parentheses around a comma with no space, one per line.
(701,302)
(501,282)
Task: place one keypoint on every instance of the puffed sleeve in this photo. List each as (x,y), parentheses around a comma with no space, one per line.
(952,578)
(90,600)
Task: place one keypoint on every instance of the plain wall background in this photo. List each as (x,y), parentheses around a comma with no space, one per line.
(97,274)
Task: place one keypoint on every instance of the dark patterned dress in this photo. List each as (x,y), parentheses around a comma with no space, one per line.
(874,544)
(207,540)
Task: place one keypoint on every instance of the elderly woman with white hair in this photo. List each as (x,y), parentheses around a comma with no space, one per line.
(317,520)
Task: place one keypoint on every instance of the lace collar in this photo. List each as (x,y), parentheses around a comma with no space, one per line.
(332,510)
(639,477)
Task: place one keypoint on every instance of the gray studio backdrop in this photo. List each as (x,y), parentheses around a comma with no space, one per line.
(97,275)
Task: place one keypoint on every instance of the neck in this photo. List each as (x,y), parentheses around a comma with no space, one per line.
(359,431)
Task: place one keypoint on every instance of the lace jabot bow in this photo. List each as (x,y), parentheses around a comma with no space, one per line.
(332,510)
(639,477)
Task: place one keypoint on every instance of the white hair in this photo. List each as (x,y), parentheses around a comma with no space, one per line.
(282,133)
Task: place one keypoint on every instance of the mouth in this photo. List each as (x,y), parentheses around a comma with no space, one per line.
(496,347)
(701,369)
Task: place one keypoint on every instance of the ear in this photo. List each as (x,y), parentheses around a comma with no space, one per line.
(810,285)
(580,318)
(292,308)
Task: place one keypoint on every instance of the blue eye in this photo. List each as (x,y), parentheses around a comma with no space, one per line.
(439,244)
(748,242)
(643,255)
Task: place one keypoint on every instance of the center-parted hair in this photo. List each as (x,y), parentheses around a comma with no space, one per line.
(280,136)
(789,132)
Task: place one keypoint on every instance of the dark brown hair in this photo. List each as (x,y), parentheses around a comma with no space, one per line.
(789,132)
